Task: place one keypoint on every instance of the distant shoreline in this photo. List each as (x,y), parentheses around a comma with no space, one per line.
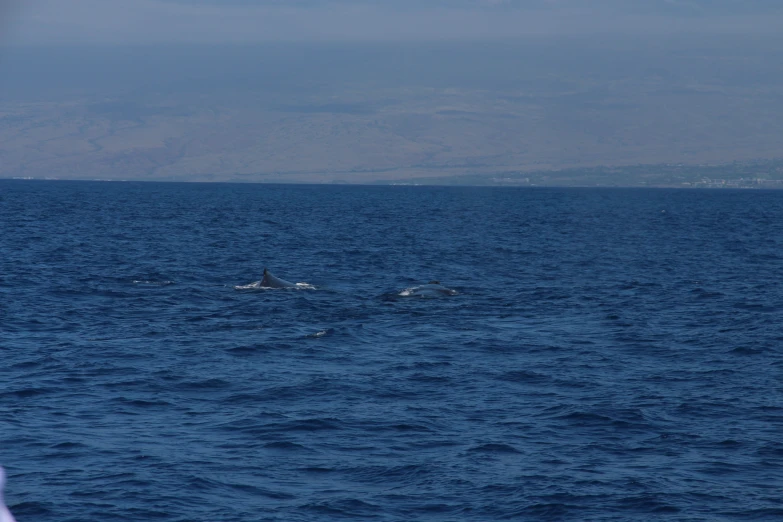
(756,175)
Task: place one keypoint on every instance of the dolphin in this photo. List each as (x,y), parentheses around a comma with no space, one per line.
(5,515)
(431,289)
(270,281)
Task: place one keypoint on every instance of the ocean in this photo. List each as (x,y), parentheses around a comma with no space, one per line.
(607,354)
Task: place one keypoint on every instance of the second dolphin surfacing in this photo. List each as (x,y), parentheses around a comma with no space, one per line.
(431,289)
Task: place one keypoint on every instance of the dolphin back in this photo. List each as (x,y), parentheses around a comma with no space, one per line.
(431,289)
(270,281)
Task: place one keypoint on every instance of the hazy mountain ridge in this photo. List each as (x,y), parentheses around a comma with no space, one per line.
(397,113)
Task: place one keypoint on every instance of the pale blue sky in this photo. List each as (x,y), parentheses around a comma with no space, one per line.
(203,21)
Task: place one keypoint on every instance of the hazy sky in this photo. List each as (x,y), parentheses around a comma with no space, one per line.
(159,21)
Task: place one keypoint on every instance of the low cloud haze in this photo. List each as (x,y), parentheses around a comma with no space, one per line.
(212,21)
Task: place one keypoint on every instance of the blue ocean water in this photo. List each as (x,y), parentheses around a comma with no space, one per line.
(610,354)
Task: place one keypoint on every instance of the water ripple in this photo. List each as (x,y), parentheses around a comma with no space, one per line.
(601,360)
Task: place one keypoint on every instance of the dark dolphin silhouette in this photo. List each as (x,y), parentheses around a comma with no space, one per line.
(270,281)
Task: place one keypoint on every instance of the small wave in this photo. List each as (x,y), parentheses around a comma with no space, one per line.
(701,293)
(206,384)
(523,376)
(33,509)
(141,403)
(68,445)
(321,333)
(313,425)
(285,446)
(256,490)
(152,283)
(494,448)
(349,507)
(247,349)
(317,469)
(29,392)
(755,307)
(410,427)
(746,350)
(772,449)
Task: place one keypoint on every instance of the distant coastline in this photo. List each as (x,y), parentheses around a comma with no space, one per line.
(761,174)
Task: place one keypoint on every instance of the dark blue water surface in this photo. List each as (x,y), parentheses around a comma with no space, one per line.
(610,354)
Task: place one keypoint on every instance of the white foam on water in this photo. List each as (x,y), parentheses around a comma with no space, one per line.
(251,286)
(5,515)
